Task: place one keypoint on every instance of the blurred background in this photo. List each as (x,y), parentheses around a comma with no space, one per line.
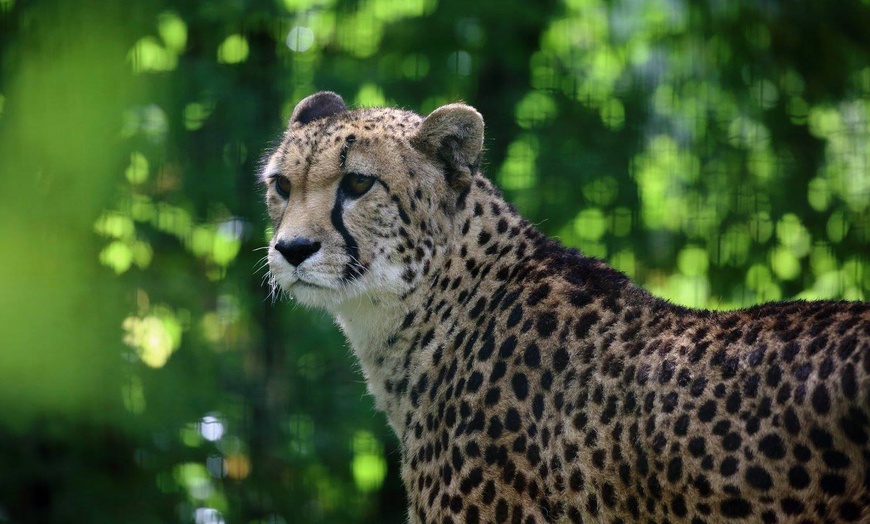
(717,152)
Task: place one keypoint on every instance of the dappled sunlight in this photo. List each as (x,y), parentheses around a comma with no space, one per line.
(154,336)
(369,466)
(211,428)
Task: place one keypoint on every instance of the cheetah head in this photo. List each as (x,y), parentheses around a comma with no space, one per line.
(363,202)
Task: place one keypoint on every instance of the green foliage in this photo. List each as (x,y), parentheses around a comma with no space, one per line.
(718,153)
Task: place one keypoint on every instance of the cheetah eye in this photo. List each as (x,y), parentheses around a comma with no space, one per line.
(356,184)
(282,187)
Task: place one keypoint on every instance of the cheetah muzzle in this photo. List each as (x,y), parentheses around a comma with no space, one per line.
(529,383)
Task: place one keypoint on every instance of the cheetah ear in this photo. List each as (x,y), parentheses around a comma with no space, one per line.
(453,134)
(317,106)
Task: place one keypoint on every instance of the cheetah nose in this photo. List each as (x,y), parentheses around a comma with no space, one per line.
(297,250)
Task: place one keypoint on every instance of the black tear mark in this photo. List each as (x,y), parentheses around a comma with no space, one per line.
(354,268)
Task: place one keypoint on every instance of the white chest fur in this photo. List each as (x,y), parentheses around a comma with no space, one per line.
(367,324)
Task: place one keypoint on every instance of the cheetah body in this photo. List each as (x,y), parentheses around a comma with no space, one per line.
(529,383)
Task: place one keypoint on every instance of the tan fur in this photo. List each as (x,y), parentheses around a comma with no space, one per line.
(528,383)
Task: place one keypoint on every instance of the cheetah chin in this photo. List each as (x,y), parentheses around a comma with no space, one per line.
(529,383)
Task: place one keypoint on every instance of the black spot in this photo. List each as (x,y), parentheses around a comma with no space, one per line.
(699,351)
(729,367)
(707,411)
(707,463)
(678,506)
(702,484)
(666,373)
(750,387)
(735,508)
(488,493)
(790,351)
(507,347)
(802,453)
(802,371)
(833,484)
(826,368)
(792,423)
(492,396)
(756,356)
(520,482)
(798,477)
(821,400)
(732,441)
(483,237)
(560,359)
(512,420)
(608,495)
(579,298)
(847,347)
(771,446)
(538,294)
(669,402)
(853,426)
(728,466)
(850,512)
(609,410)
(698,386)
(599,456)
(592,504)
(697,446)
(534,454)
(732,405)
(774,375)
(585,323)
(472,515)
(575,481)
(457,459)
(456,504)
(478,308)
(475,381)
(495,427)
(546,380)
(791,506)
(538,406)
(546,324)
(759,478)
(681,426)
(532,355)
(658,442)
(654,487)
(520,385)
(501,511)
(515,316)
(471,481)
(675,470)
(835,459)
(820,438)
(848,382)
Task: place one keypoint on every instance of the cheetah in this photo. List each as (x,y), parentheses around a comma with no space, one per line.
(528,383)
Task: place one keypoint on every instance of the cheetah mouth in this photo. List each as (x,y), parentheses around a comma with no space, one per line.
(300,282)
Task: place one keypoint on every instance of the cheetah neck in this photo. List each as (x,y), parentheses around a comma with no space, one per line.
(400,342)
(493,254)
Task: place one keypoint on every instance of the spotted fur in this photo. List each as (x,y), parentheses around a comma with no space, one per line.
(531,384)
